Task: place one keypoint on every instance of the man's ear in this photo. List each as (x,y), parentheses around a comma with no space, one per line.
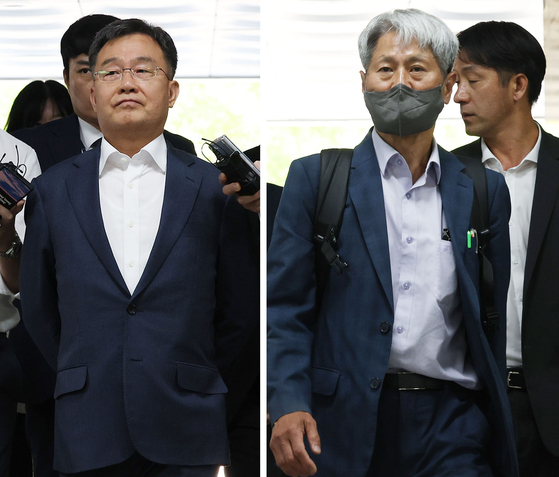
(519,85)
(174,90)
(363,80)
(448,85)
(66,78)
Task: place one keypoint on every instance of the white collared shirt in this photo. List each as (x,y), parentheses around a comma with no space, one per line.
(521,181)
(88,134)
(428,336)
(131,195)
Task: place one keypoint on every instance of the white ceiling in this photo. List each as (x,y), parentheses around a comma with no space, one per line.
(214,38)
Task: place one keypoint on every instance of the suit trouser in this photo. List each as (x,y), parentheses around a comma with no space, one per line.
(440,433)
(534,459)
(10,388)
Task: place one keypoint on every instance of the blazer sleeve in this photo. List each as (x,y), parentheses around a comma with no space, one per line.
(38,288)
(292,292)
(498,253)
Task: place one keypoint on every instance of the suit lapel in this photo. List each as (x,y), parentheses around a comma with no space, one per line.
(182,183)
(83,191)
(365,192)
(546,195)
(457,195)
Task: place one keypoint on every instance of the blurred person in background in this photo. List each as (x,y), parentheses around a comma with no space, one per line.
(38,103)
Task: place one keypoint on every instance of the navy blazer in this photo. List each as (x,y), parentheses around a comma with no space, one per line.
(54,142)
(138,371)
(58,140)
(336,362)
(540,314)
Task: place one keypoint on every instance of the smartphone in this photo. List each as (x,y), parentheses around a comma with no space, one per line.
(13,186)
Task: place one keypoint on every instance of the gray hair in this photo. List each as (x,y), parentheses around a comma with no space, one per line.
(411,24)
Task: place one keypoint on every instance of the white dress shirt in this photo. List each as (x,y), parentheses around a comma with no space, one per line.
(131,196)
(9,316)
(428,336)
(521,181)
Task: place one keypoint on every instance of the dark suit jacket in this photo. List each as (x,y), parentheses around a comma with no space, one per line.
(141,371)
(327,366)
(58,140)
(540,315)
(54,142)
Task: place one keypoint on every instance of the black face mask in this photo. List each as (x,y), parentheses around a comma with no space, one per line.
(404,111)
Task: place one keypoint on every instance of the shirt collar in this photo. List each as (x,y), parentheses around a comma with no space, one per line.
(88,134)
(532,156)
(156,150)
(385,153)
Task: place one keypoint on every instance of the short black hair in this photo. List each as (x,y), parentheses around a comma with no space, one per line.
(29,104)
(507,48)
(80,35)
(133,26)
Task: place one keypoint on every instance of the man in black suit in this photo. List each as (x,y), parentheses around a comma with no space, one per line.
(79,132)
(499,71)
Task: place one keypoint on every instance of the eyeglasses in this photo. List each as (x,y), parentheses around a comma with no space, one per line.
(139,73)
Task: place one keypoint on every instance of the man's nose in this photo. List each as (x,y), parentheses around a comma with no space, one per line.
(460,96)
(128,81)
(402,77)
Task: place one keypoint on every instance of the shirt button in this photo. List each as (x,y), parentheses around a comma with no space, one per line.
(131,224)
(385,327)
(375,383)
(131,264)
(123,160)
(399,161)
(516,261)
(131,185)
(409,239)
(400,329)
(408,196)
(407,286)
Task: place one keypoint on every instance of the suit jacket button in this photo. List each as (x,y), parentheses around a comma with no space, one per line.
(385,327)
(375,383)
(131,309)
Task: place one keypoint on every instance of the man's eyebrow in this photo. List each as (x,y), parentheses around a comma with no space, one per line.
(138,58)
(419,57)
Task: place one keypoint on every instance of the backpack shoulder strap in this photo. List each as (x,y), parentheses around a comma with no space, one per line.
(335,166)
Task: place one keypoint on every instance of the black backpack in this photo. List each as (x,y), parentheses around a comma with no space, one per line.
(332,193)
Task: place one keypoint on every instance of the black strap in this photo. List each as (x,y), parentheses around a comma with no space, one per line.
(480,222)
(332,192)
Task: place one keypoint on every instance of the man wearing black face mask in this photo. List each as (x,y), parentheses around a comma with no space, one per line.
(397,338)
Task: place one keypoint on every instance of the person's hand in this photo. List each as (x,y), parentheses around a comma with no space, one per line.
(287,443)
(7,225)
(249,202)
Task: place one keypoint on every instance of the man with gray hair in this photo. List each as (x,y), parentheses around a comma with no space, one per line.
(392,373)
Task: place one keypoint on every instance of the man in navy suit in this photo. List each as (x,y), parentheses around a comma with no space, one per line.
(394,374)
(54,142)
(500,70)
(138,279)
